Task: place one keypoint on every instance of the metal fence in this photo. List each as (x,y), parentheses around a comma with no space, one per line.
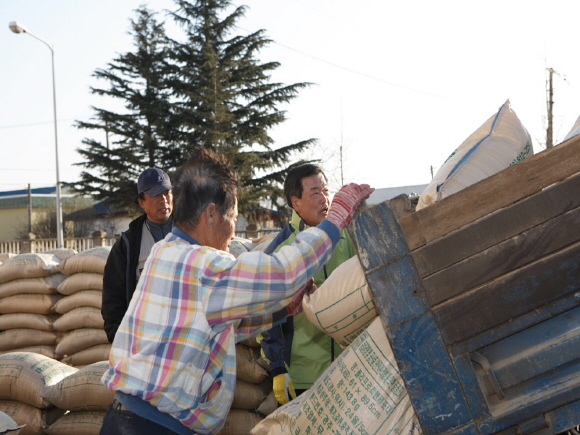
(41,245)
(79,244)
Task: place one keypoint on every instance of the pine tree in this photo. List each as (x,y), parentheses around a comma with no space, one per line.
(226,100)
(137,137)
(209,90)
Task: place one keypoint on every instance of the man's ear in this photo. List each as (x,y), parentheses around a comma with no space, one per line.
(294,203)
(140,203)
(210,214)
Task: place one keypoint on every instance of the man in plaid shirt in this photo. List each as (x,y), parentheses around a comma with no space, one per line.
(173,361)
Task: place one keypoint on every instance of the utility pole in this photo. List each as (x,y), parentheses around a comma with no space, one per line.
(549,131)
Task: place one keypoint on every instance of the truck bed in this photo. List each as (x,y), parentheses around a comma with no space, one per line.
(479,295)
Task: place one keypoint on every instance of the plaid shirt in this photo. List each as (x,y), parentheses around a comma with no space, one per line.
(175,347)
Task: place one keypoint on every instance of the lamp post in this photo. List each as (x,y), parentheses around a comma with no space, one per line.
(19,28)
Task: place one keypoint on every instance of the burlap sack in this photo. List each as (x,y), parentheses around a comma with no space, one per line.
(79,339)
(250,342)
(28,266)
(81,391)
(81,281)
(29,303)
(499,143)
(246,364)
(30,419)
(77,423)
(342,306)
(43,349)
(15,338)
(90,355)
(250,396)
(361,392)
(85,298)
(24,375)
(269,405)
(240,422)
(46,285)
(43,322)
(82,317)
(91,260)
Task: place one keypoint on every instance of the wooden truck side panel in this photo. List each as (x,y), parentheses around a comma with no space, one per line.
(480,297)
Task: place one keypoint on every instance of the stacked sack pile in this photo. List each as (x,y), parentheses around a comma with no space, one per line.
(253,396)
(82,336)
(50,310)
(28,294)
(23,377)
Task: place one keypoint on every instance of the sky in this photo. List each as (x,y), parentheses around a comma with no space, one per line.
(397,85)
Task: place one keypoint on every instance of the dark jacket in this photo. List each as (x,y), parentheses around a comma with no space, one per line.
(120,279)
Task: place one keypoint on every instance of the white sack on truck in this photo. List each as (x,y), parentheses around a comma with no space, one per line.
(362,392)
(500,142)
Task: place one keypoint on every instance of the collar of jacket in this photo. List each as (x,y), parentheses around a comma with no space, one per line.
(297,222)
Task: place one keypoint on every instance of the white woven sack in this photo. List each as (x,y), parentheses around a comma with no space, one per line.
(500,142)
(361,392)
(28,266)
(239,245)
(342,306)
(9,426)
(575,130)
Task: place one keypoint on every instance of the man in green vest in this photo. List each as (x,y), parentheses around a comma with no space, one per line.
(297,351)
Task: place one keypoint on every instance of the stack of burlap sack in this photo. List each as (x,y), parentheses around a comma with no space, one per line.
(253,396)
(28,294)
(80,323)
(50,320)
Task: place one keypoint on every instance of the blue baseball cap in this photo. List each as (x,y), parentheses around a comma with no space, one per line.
(153,181)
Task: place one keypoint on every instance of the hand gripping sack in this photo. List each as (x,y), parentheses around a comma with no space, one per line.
(499,143)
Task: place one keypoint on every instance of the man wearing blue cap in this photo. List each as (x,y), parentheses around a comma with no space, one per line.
(128,255)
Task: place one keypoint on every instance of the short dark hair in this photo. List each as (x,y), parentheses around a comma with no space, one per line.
(293,182)
(205,178)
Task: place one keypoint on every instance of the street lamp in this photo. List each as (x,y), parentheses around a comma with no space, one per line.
(19,28)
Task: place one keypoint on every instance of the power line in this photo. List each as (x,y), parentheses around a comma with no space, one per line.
(33,124)
(370,76)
